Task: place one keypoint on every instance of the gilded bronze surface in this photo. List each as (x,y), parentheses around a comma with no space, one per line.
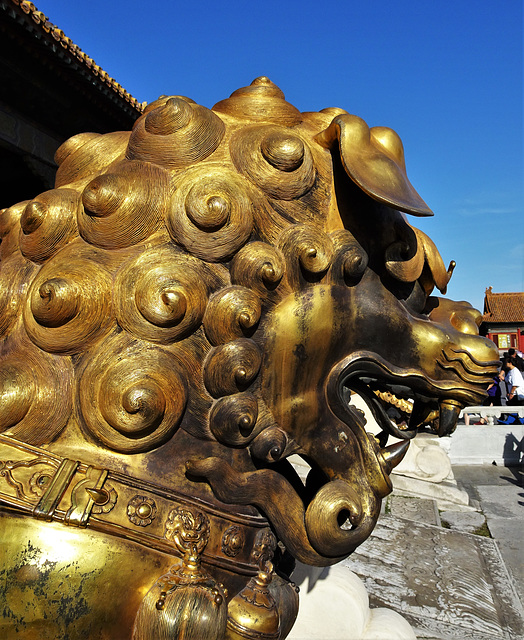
(193,303)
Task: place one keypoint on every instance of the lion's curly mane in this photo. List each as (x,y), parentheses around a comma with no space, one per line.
(132,292)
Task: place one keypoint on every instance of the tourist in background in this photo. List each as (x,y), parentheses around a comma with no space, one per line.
(514,382)
(502,398)
(496,396)
(517,355)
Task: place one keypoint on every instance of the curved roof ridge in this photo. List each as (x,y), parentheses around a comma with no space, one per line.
(506,306)
(40,19)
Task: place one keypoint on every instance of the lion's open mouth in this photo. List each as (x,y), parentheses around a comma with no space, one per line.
(403,400)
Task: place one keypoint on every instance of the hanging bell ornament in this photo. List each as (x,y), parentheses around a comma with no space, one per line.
(253,612)
(286,597)
(186,603)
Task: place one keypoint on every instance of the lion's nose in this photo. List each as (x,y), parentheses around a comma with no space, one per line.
(467,319)
(461,315)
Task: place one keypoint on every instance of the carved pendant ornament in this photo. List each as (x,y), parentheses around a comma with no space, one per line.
(193,303)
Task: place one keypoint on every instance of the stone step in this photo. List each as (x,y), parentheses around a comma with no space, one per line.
(445,493)
(447,584)
(422,510)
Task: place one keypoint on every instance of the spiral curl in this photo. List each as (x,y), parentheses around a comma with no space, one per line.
(323,519)
(232,367)
(275,159)
(162,294)
(405,257)
(35,394)
(15,277)
(73,144)
(261,101)
(350,261)
(309,253)
(124,207)
(212,212)
(68,305)
(132,395)
(259,267)
(10,229)
(233,418)
(90,158)
(231,313)
(437,274)
(270,444)
(48,223)
(175,134)
(161,101)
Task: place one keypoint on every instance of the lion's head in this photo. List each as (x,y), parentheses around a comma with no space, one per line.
(195,299)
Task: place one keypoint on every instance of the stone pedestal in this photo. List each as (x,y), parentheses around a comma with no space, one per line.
(425,471)
(334,605)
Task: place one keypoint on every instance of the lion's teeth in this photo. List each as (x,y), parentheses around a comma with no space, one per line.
(420,414)
(390,398)
(449,411)
(444,420)
(394,454)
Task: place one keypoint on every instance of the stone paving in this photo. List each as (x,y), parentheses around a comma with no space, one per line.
(449,579)
(420,510)
(500,491)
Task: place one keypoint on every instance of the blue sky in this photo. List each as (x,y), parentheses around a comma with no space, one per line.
(447,76)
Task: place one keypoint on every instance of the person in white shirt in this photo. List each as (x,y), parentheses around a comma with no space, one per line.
(514,382)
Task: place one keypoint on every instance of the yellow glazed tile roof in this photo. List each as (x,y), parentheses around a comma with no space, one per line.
(503,307)
(41,20)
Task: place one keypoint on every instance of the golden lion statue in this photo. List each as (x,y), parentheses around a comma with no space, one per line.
(192,304)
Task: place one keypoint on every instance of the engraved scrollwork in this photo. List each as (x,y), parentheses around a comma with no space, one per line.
(162,295)
(232,541)
(232,367)
(48,223)
(141,510)
(125,206)
(37,482)
(134,402)
(231,313)
(212,212)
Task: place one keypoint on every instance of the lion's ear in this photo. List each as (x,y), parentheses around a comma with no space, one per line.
(374,160)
